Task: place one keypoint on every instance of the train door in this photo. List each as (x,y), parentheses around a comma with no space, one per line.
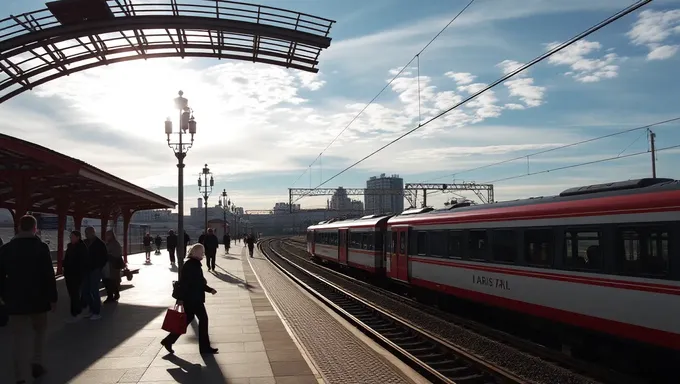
(401,252)
(311,242)
(342,246)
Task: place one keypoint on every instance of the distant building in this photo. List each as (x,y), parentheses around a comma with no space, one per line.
(285,208)
(378,203)
(340,201)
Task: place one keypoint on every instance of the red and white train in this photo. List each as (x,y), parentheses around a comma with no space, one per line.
(603,257)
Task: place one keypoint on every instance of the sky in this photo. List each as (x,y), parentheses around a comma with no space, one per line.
(260,126)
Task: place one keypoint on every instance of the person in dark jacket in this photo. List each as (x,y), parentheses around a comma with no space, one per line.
(75,267)
(158,241)
(97,257)
(250,241)
(171,244)
(192,289)
(226,239)
(187,240)
(147,240)
(28,289)
(211,243)
(201,239)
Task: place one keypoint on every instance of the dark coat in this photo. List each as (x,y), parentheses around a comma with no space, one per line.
(187,239)
(97,254)
(158,241)
(75,261)
(27,282)
(201,239)
(193,285)
(171,241)
(226,239)
(211,243)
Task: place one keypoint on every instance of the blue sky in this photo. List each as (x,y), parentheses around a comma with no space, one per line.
(261,126)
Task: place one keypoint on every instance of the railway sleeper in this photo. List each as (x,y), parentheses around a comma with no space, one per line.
(416,345)
(428,357)
(406,340)
(396,334)
(470,379)
(382,326)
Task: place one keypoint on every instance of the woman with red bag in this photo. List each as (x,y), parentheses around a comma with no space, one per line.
(192,287)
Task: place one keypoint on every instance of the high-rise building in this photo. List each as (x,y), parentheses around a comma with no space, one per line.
(379,203)
(340,201)
(200,203)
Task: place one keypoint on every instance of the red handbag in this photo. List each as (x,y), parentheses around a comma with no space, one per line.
(175,320)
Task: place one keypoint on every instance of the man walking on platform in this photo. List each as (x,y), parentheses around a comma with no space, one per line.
(226,239)
(171,244)
(250,241)
(97,256)
(211,243)
(29,290)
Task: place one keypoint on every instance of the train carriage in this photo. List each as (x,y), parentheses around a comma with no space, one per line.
(603,257)
(353,243)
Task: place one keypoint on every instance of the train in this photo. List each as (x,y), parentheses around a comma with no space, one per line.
(602,258)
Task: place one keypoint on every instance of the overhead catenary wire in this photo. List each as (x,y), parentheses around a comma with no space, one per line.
(574,144)
(604,160)
(403,68)
(518,70)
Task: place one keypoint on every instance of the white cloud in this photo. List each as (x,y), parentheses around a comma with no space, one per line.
(521,86)
(654,29)
(461,78)
(584,69)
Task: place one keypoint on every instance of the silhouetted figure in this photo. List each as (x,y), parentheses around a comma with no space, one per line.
(250,241)
(211,243)
(115,263)
(97,258)
(171,243)
(158,241)
(201,238)
(29,290)
(75,269)
(226,239)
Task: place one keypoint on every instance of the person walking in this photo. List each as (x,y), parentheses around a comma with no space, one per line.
(226,239)
(201,238)
(75,267)
(211,243)
(171,243)
(28,290)
(97,257)
(192,289)
(158,241)
(147,240)
(114,265)
(250,241)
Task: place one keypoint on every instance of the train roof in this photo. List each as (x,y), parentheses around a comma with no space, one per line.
(621,188)
(366,221)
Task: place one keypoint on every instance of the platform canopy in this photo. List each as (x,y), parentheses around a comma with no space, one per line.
(35,178)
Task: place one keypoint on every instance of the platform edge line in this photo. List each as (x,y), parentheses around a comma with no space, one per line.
(303,351)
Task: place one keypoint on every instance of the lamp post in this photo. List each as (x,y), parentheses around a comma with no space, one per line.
(205,188)
(186,123)
(225,203)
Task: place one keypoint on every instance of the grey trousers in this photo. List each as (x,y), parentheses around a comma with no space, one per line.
(27,330)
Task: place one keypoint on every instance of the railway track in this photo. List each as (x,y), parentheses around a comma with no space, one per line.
(583,371)
(436,359)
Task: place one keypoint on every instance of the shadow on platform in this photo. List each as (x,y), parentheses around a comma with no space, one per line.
(75,347)
(231,279)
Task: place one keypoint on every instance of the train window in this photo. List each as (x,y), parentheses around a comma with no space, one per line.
(388,241)
(504,246)
(539,247)
(477,245)
(582,250)
(334,238)
(438,244)
(402,243)
(421,243)
(355,240)
(642,252)
(394,242)
(455,250)
(378,241)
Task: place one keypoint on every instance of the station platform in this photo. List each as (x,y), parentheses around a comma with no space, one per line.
(267,330)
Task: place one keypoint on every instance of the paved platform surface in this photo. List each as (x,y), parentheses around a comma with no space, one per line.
(123,347)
